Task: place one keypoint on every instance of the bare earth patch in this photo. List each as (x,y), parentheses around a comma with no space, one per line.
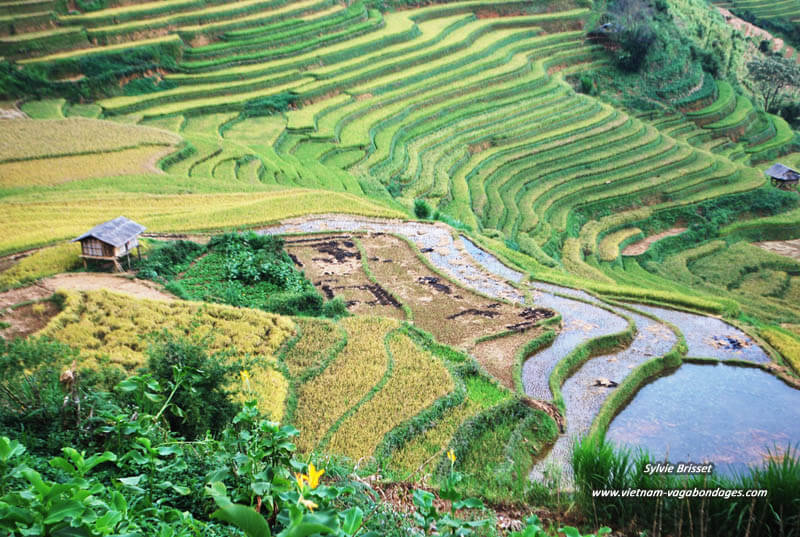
(333,264)
(788,248)
(23,294)
(453,314)
(750,30)
(28,319)
(640,247)
(497,355)
(90,281)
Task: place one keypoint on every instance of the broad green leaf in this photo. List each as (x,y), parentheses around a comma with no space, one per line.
(244,518)
(63,510)
(35,479)
(118,501)
(323,523)
(10,448)
(469,503)
(63,464)
(94,460)
(128,385)
(132,481)
(569,531)
(352,520)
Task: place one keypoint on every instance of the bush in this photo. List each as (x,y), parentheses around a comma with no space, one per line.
(335,308)
(169,259)
(587,85)
(422,209)
(139,86)
(32,400)
(305,302)
(634,32)
(266,106)
(200,400)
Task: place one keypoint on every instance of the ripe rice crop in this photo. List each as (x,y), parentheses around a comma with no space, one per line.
(317,339)
(35,223)
(787,344)
(481,394)
(55,170)
(354,372)
(417,380)
(112,330)
(22,139)
(45,262)
(609,247)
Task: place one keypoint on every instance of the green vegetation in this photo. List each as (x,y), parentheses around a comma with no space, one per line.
(599,465)
(207,116)
(240,269)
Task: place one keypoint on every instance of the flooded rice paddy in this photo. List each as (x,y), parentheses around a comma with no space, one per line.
(728,415)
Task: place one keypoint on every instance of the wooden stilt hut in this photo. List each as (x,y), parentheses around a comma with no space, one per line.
(783,177)
(111,241)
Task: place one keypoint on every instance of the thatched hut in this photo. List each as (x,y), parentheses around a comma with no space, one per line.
(783,177)
(110,241)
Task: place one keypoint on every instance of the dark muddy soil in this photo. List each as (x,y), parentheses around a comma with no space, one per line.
(435,282)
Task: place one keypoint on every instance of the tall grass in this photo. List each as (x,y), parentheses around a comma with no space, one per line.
(599,465)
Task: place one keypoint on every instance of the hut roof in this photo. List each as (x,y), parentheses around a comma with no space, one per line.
(115,232)
(782,173)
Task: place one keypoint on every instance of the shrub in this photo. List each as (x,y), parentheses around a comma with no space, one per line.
(335,308)
(139,86)
(305,302)
(633,32)
(32,400)
(198,380)
(266,106)
(422,209)
(169,259)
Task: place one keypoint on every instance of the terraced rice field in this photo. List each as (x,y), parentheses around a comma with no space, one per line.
(333,120)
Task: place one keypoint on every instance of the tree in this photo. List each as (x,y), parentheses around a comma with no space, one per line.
(774,79)
(632,31)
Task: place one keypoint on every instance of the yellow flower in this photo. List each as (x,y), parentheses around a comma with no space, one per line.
(309,504)
(314,475)
(452,456)
(300,478)
(245,379)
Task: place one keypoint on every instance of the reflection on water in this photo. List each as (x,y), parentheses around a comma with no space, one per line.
(731,416)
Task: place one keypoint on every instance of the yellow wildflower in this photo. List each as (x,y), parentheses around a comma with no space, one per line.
(314,475)
(300,478)
(452,456)
(309,504)
(245,379)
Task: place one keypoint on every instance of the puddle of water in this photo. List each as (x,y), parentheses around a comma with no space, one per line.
(580,322)
(490,262)
(583,399)
(708,337)
(730,416)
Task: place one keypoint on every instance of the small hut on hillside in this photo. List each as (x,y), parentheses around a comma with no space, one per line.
(783,177)
(110,241)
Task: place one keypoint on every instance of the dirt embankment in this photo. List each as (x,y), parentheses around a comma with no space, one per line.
(640,247)
(26,310)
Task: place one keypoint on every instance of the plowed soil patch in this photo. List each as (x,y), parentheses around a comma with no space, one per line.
(640,247)
(788,248)
(453,314)
(90,281)
(333,264)
(26,320)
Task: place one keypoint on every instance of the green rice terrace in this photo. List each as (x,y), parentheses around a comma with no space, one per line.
(399,268)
